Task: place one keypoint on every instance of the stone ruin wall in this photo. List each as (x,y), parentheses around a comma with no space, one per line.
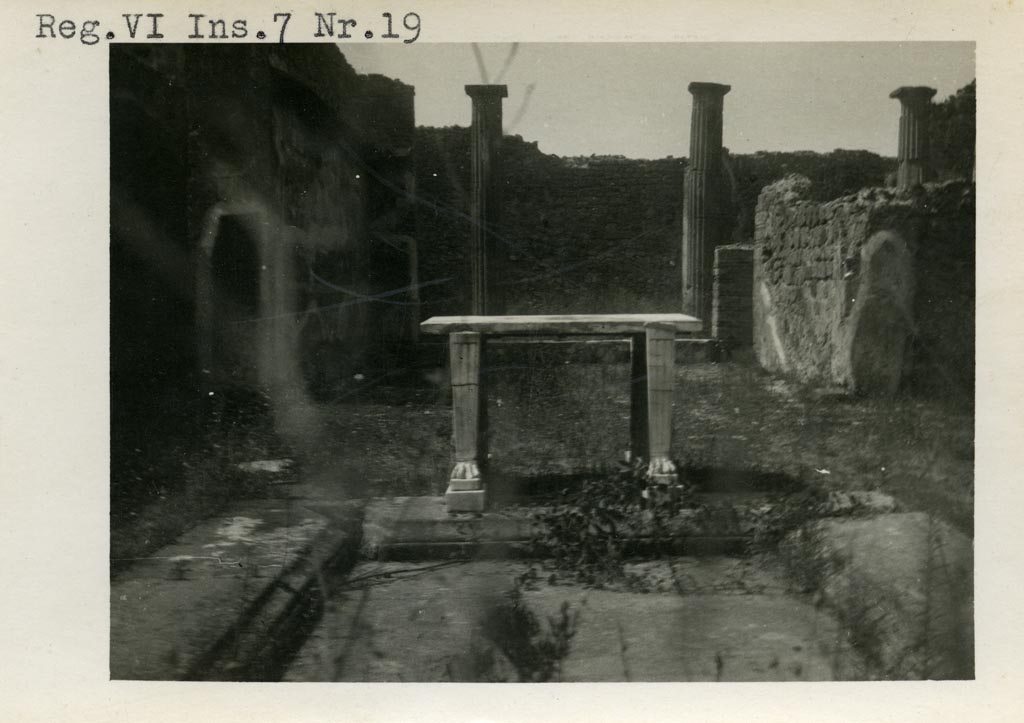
(597,234)
(869,292)
(323,168)
(278,176)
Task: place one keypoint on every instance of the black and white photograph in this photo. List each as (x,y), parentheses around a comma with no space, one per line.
(649,352)
(542,362)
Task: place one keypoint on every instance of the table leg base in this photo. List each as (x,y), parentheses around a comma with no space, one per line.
(657,492)
(465,500)
(663,478)
(663,471)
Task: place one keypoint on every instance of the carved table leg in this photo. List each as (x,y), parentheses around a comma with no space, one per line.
(465,487)
(661,367)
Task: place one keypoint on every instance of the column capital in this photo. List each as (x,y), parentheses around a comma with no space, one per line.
(913,94)
(708,90)
(487,91)
(912,152)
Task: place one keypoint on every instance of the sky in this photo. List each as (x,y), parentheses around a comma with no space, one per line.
(630,99)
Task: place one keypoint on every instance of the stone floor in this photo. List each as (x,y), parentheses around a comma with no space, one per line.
(705,619)
(213,604)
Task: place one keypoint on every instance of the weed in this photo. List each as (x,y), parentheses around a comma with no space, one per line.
(587,532)
(516,631)
(785,516)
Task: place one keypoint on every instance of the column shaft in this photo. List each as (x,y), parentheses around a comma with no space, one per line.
(704,207)
(487,256)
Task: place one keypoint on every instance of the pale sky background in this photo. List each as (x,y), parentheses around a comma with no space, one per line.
(631,98)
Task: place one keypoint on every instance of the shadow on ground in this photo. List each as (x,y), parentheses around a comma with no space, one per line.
(180,464)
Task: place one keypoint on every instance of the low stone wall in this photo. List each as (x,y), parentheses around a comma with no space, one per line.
(902,585)
(867,292)
(732,315)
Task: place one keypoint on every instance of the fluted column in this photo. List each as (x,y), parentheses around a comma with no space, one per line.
(704,207)
(486,256)
(912,154)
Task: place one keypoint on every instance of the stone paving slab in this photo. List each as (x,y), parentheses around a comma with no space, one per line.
(399,622)
(407,622)
(426,519)
(207,605)
(707,637)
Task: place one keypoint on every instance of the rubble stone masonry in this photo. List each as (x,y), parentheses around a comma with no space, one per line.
(869,292)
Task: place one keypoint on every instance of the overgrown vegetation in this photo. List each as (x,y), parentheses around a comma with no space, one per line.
(513,631)
(953,132)
(586,533)
(832,175)
(787,515)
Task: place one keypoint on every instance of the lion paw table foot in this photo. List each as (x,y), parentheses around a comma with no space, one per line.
(662,471)
(465,488)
